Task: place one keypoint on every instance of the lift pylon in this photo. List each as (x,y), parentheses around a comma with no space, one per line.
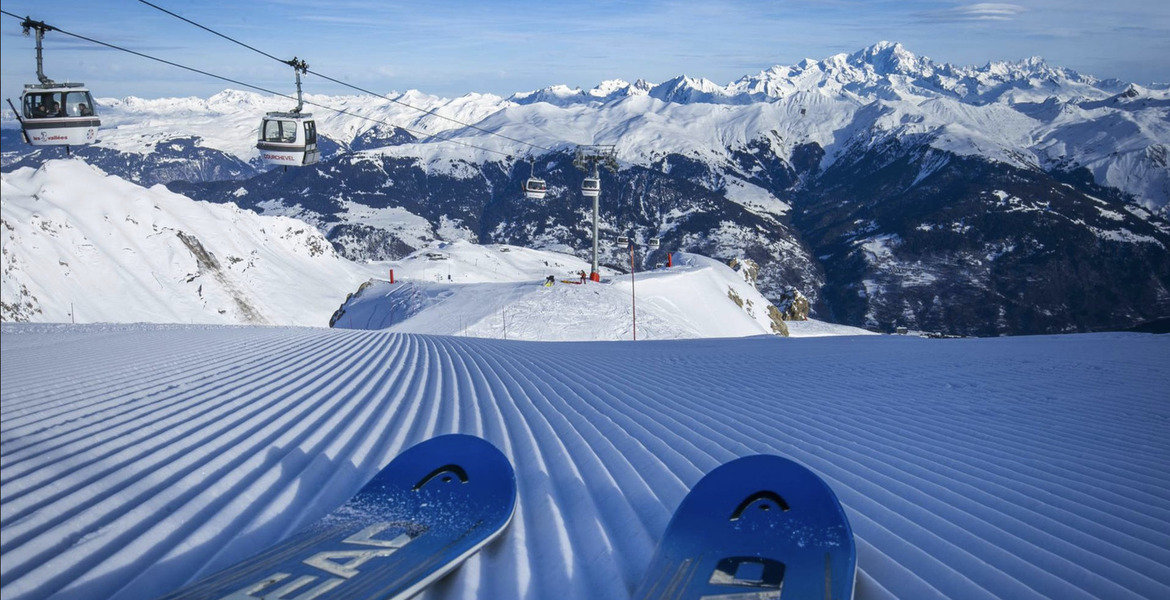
(589,159)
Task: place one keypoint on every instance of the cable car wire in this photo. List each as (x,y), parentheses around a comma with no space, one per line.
(147,56)
(212,31)
(431,112)
(262,89)
(348,85)
(304,68)
(365,91)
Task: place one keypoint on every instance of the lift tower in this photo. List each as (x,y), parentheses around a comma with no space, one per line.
(588,159)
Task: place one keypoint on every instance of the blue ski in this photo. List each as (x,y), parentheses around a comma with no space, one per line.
(420,517)
(757,528)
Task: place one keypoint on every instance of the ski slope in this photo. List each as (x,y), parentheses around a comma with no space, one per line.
(83,246)
(697,298)
(137,457)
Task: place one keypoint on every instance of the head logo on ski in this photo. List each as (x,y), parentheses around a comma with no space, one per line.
(757,528)
(420,517)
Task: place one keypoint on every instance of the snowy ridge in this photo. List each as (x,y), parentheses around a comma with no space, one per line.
(80,245)
(968,468)
(85,246)
(1024,113)
(699,297)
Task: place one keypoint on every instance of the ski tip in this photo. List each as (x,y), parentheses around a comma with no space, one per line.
(754,526)
(458,463)
(765,482)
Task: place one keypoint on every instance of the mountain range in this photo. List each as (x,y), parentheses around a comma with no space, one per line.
(891,190)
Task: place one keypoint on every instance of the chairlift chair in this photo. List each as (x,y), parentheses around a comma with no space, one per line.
(535,188)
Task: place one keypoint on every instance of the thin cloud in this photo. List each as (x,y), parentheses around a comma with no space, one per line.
(981,11)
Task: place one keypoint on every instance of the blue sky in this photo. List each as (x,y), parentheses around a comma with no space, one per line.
(455,47)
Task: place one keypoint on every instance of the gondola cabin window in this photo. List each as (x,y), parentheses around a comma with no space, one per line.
(37,106)
(310,132)
(79,104)
(58,104)
(280,131)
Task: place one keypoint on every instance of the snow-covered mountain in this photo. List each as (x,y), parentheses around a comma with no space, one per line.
(1024,113)
(82,246)
(799,167)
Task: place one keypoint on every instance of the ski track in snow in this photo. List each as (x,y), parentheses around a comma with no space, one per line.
(136,458)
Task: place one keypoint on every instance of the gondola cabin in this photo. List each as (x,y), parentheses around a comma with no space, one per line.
(655,243)
(58,114)
(591,187)
(288,139)
(623,241)
(535,188)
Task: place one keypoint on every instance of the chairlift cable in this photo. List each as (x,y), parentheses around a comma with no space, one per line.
(348,85)
(260,88)
(212,31)
(302,67)
(154,58)
(431,112)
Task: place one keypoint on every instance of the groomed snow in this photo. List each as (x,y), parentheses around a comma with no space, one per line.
(696,298)
(138,457)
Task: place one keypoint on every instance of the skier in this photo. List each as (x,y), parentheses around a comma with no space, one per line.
(548,281)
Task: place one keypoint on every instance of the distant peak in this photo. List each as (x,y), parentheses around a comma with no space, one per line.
(612,88)
(885,45)
(697,83)
(1131,92)
(891,57)
(1028,67)
(882,66)
(612,84)
(230,96)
